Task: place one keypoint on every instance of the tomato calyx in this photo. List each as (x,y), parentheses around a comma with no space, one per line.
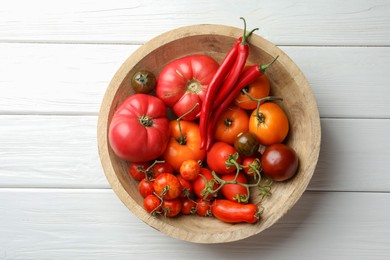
(254,168)
(141,78)
(259,116)
(145,121)
(209,187)
(265,189)
(193,86)
(233,161)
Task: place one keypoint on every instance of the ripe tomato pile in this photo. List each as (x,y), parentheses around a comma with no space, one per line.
(224,145)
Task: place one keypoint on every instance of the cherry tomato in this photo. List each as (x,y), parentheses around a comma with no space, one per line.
(203,181)
(279,162)
(172,207)
(189,170)
(259,88)
(189,207)
(234,212)
(251,164)
(218,156)
(246,144)
(145,187)
(143,81)
(271,126)
(183,83)
(167,186)
(183,147)
(152,204)
(162,167)
(139,129)
(137,170)
(203,207)
(235,192)
(233,121)
(186,187)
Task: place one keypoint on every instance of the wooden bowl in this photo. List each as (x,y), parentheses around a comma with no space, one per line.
(286,81)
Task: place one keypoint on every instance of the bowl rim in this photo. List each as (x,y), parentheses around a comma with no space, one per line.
(119,76)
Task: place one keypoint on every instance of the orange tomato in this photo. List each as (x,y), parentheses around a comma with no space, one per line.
(259,88)
(187,148)
(232,122)
(271,125)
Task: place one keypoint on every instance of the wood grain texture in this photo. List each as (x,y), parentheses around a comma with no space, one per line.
(93,224)
(61,152)
(343,79)
(298,22)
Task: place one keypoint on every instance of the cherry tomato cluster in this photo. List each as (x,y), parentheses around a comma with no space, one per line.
(226,137)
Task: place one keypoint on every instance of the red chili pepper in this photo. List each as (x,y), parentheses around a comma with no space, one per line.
(234,212)
(243,53)
(247,77)
(212,89)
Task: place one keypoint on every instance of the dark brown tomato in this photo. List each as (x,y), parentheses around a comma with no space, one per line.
(279,162)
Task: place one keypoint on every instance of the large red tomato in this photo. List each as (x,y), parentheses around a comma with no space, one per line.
(183,83)
(139,130)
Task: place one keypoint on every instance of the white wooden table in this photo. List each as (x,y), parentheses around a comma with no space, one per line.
(56,60)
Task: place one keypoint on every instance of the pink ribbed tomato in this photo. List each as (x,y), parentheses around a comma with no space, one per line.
(183,83)
(139,129)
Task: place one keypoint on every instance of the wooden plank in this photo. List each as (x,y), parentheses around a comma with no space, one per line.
(72,79)
(93,224)
(302,22)
(61,151)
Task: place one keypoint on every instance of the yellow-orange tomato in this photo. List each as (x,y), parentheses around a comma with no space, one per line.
(271,125)
(183,148)
(259,88)
(232,122)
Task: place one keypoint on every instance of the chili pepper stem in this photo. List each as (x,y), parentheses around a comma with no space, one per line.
(262,68)
(246,35)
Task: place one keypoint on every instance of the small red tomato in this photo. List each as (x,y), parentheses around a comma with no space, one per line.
(172,207)
(251,165)
(235,192)
(186,187)
(152,204)
(162,167)
(167,186)
(189,207)
(145,187)
(234,212)
(203,207)
(279,162)
(190,170)
(218,156)
(137,170)
(205,181)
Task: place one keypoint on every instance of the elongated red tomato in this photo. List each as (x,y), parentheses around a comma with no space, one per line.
(183,83)
(234,212)
(139,129)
